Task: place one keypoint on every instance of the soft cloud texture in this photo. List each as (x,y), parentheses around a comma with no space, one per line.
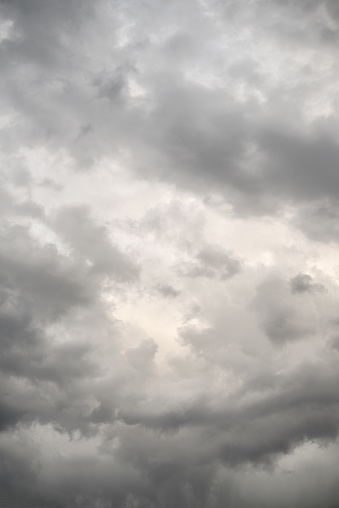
(168,254)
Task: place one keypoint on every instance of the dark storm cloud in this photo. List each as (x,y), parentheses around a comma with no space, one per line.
(40,288)
(40,275)
(182,131)
(305,167)
(172,91)
(37,288)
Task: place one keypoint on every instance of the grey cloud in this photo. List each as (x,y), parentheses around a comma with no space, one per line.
(168,291)
(11,207)
(90,243)
(303,283)
(212,98)
(307,167)
(281,319)
(35,370)
(181,131)
(46,43)
(295,24)
(142,356)
(211,262)
(248,434)
(40,275)
(335,343)
(29,209)
(219,261)
(319,221)
(45,298)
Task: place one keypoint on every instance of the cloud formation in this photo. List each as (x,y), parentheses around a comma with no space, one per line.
(168,254)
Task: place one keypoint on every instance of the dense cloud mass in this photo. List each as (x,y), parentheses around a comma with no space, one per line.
(169,204)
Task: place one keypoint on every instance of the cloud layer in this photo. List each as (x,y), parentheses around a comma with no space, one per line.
(168,254)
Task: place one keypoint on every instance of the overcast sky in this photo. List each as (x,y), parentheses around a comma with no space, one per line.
(169,269)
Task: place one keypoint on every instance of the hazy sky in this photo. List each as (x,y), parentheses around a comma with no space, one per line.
(169,269)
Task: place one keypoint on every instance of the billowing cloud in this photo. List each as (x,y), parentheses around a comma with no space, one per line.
(168,254)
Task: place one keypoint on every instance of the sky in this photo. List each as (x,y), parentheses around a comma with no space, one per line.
(169,277)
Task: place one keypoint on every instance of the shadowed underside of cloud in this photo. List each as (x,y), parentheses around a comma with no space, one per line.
(168,313)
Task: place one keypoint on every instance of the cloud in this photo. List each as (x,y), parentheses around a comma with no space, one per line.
(197,136)
(168,291)
(303,283)
(168,254)
(281,319)
(211,262)
(90,243)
